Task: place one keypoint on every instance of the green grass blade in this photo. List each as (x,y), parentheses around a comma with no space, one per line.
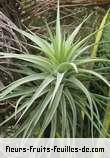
(99,35)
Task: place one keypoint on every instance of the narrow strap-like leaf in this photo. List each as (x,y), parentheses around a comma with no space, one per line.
(76,82)
(42,62)
(73,108)
(38,113)
(64,116)
(53,126)
(96,75)
(20,82)
(51,110)
(38,91)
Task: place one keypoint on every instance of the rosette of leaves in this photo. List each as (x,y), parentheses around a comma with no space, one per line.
(53,94)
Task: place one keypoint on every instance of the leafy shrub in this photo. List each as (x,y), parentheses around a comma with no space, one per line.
(53,94)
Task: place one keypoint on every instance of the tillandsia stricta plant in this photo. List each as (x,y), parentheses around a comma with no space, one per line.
(53,94)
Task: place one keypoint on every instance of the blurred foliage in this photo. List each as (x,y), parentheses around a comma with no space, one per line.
(12,9)
(103,50)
